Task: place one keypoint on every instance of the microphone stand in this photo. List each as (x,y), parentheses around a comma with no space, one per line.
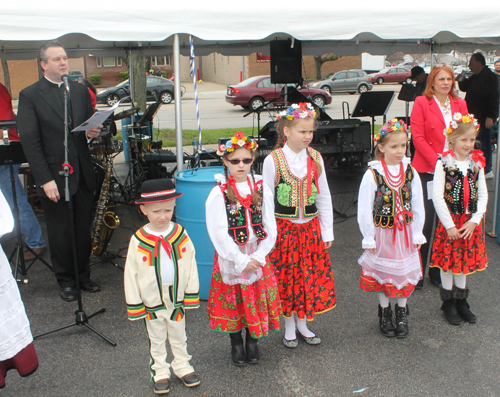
(81,317)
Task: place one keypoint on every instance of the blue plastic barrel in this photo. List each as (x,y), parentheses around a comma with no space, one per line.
(190,213)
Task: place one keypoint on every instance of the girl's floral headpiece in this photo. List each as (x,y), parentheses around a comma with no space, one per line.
(390,126)
(460,118)
(238,140)
(300,110)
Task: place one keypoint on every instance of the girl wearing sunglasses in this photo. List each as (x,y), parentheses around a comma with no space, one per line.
(243,291)
(295,173)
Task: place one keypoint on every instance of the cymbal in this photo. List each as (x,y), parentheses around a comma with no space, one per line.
(124,114)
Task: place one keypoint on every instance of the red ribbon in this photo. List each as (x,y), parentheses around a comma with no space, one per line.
(245,202)
(478,157)
(400,226)
(311,166)
(466,192)
(449,152)
(69,166)
(160,240)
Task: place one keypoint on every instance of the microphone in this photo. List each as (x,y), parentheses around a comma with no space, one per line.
(65,79)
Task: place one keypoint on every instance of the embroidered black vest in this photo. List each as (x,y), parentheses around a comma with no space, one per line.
(237,218)
(290,192)
(454,190)
(384,205)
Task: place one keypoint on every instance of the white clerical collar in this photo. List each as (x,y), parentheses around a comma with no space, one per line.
(292,155)
(53,82)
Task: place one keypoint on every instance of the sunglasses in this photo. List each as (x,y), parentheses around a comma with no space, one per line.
(237,161)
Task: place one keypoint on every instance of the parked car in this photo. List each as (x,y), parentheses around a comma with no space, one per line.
(75,75)
(345,81)
(156,88)
(255,91)
(391,75)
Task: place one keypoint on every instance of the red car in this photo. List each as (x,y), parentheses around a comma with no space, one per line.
(255,91)
(391,75)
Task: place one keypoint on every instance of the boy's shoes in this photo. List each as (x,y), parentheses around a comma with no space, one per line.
(162,386)
(489,175)
(190,380)
(68,293)
(89,286)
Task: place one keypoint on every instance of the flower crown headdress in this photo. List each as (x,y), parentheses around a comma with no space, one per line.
(392,125)
(460,118)
(238,140)
(300,110)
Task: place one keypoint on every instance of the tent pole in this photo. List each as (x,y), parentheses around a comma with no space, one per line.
(178,110)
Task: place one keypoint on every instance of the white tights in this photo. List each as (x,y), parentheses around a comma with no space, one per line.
(384,301)
(448,279)
(301,326)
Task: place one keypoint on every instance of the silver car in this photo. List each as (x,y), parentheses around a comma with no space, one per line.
(350,81)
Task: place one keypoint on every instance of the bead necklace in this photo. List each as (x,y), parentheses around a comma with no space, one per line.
(447,107)
(245,202)
(393,181)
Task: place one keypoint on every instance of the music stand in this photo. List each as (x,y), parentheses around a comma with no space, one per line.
(12,153)
(371,104)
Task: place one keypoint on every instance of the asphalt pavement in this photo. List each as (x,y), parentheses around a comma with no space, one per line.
(437,359)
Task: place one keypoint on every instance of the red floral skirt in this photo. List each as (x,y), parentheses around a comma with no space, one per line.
(372,286)
(26,362)
(459,256)
(234,307)
(303,270)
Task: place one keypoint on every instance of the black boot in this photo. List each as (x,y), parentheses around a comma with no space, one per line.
(449,306)
(463,307)
(237,350)
(401,321)
(385,321)
(252,349)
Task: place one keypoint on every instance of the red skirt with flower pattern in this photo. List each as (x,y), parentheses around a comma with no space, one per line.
(372,286)
(460,256)
(234,307)
(303,270)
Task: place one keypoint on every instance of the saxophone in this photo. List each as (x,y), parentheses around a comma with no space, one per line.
(105,222)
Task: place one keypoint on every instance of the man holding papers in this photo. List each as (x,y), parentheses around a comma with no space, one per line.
(41,128)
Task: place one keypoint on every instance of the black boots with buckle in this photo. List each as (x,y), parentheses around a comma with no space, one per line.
(401,321)
(385,321)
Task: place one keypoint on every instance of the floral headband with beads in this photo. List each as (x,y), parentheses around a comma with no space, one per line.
(460,118)
(390,126)
(238,140)
(300,110)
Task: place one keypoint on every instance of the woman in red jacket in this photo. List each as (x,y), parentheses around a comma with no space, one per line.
(431,114)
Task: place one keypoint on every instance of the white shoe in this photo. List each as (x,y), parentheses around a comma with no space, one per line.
(489,175)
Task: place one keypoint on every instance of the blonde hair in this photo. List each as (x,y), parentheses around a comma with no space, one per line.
(231,196)
(280,129)
(461,130)
(383,140)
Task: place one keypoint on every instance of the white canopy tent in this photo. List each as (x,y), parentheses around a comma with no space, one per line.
(231,28)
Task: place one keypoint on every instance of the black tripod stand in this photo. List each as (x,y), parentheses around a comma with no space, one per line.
(12,153)
(81,317)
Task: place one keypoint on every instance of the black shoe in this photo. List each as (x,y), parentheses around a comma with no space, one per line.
(68,293)
(385,321)
(190,380)
(253,355)
(401,321)
(434,282)
(237,350)
(463,307)
(89,286)
(449,306)
(162,386)
(420,284)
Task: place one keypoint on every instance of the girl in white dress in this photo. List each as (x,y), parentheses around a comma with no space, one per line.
(391,217)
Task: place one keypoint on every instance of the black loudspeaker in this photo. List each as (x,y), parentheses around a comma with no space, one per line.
(286,61)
